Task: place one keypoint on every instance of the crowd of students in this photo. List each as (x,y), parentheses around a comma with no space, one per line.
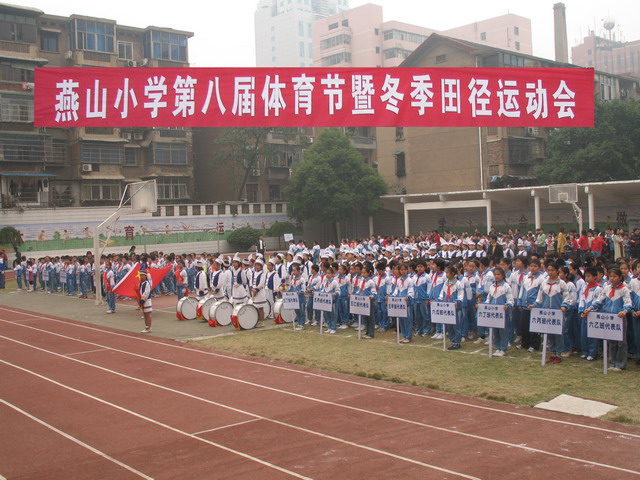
(513,270)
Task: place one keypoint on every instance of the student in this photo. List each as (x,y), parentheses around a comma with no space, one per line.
(342,307)
(330,285)
(571,321)
(182,280)
(592,291)
(145,299)
(217,277)
(423,319)
(452,292)
(200,284)
(238,282)
(367,288)
(553,294)
(383,285)
(437,281)
(297,284)
(109,282)
(314,284)
(615,298)
(471,267)
(258,281)
(405,288)
(500,293)
(634,286)
(528,295)
(485,280)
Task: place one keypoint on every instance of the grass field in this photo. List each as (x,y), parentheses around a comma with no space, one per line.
(517,378)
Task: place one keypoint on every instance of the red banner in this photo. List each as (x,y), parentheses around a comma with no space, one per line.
(301,97)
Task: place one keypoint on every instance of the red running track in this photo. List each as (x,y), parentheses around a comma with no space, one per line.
(80,401)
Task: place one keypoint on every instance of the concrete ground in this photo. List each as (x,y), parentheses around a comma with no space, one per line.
(165,324)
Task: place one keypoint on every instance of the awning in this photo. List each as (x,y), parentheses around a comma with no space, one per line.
(50,30)
(103,139)
(168,174)
(27,174)
(27,60)
(104,176)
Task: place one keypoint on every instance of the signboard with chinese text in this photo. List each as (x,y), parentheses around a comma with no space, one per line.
(290,301)
(322,301)
(306,97)
(397,307)
(443,312)
(605,326)
(360,305)
(491,316)
(546,320)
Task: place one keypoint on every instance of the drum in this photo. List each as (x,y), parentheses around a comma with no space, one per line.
(281,314)
(245,316)
(204,307)
(220,313)
(186,308)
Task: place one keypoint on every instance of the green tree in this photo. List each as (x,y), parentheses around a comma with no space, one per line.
(278,229)
(244,238)
(608,151)
(246,149)
(11,236)
(332,183)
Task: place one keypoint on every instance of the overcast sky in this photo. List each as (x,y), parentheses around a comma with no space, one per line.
(224,29)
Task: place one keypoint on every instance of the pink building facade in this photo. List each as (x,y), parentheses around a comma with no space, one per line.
(608,55)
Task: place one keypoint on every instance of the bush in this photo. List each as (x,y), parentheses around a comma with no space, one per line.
(244,238)
(280,228)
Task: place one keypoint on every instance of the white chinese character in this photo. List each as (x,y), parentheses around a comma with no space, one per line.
(99,107)
(303,88)
(213,85)
(567,96)
(509,106)
(125,95)
(67,106)
(450,95)
(185,96)
(361,91)
(244,99)
(391,95)
(333,91)
(272,96)
(480,98)
(154,91)
(422,93)
(536,100)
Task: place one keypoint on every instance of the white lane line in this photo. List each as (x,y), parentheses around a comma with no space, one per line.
(227,426)
(88,351)
(73,439)
(327,377)
(151,420)
(325,402)
(234,409)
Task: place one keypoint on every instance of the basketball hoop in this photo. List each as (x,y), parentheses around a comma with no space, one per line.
(567,193)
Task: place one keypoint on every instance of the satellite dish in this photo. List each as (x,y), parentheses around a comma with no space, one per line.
(609,23)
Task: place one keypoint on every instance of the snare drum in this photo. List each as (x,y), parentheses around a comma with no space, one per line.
(281,314)
(245,316)
(186,308)
(220,313)
(205,307)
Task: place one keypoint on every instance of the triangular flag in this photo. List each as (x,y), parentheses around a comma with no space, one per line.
(129,286)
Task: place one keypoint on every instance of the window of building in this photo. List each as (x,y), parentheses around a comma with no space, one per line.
(94,36)
(395,52)
(517,45)
(130,157)
(590,63)
(23,148)
(483,36)
(98,130)
(10,73)
(310,48)
(401,170)
(275,193)
(300,28)
(125,50)
(18,28)
(342,57)
(441,58)
(58,152)
(403,35)
(342,39)
(301,48)
(167,46)
(16,108)
(399,133)
(252,191)
(377,49)
(170,188)
(273,59)
(171,153)
(96,152)
(309,30)
(589,52)
(345,22)
(101,190)
(333,26)
(376,31)
(48,41)
(516,30)
(509,60)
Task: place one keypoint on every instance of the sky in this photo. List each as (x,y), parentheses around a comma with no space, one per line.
(223,31)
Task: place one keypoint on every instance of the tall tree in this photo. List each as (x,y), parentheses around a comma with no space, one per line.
(244,148)
(608,151)
(332,182)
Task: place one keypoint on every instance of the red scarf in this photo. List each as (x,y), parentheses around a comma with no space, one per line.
(449,285)
(589,287)
(614,288)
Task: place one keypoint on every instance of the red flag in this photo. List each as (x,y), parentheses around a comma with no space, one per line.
(129,286)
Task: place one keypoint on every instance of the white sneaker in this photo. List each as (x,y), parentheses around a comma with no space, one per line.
(463,339)
(437,336)
(146,330)
(361,327)
(110,311)
(499,353)
(314,323)
(531,350)
(299,327)
(342,327)
(479,340)
(487,341)
(331,331)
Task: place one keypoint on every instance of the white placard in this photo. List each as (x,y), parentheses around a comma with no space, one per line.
(322,301)
(546,320)
(397,307)
(45,275)
(288,237)
(63,276)
(491,316)
(605,326)
(443,312)
(360,305)
(290,301)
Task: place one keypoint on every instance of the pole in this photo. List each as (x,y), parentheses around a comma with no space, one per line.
(491,343)
(605,355)
(96,262)
(544,350)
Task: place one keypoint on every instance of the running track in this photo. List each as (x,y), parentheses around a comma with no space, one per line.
(80,401)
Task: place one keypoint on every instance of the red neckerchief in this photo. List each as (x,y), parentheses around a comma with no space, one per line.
(495,289)
(589,287)
(449,285)
(379,280)
(551,284)
(614,288)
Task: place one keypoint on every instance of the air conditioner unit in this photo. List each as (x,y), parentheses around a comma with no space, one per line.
(532,131)
(138,136)
(132,63)
(126,135)
(255,172)
(87,167)
(144,62)
(68,55)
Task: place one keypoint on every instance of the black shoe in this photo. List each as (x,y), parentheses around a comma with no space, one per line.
(454,346)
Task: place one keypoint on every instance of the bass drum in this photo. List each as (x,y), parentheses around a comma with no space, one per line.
(205,307)
(281,314)
(245,316)
(186,308)
(268,308)
(220,313)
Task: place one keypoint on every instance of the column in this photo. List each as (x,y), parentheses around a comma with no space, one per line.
(489,215)
(406,220)
(592,211)
(538,216)
(371,232)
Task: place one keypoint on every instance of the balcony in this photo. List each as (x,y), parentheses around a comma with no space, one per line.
(278,173)
(364,143)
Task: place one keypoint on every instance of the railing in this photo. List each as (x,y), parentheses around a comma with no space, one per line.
(218,209)
(15,47)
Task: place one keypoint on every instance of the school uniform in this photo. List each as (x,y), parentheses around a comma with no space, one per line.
(109,283)
(201,285)
(297,284)
(145,296)
(330,318)
(238,282)
(634,288)
(572,324)
(452,291)
(405,288)
(342,307)
(588,346)
(421,310)
(314,283)
(501,294)
(257,284)
(367,287)
(216,283)
(182,282)
(526,300)
(554,295)
(437,281)
(616,299)
(383,283)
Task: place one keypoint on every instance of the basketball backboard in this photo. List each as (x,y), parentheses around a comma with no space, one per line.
(565,193)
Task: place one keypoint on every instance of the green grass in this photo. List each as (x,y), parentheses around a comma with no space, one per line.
(518,378)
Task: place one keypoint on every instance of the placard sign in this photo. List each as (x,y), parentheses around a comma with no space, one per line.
(605,326)
(45,275)
(546,320)
(491,316)
(290,301)
(397,307)
(322,301)
(63,276)
(360,305)
(443,312)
